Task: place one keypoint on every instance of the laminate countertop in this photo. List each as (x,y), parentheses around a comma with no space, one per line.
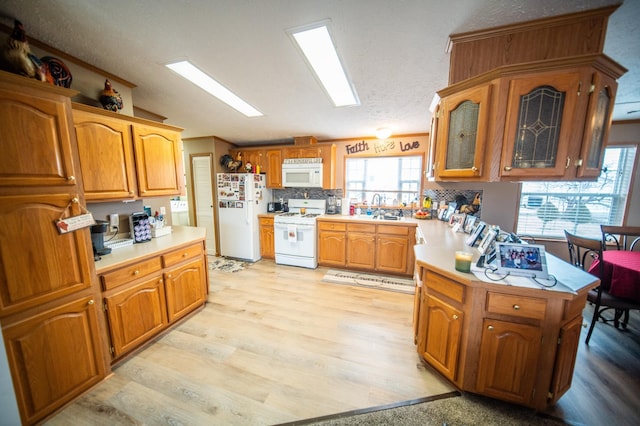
(438,254)
(179,237)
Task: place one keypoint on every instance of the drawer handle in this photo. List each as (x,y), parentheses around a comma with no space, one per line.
(490,328)
(516,307)
(136,272)
(455,317)
(90,302)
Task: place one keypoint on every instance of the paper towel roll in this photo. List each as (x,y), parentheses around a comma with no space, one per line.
(345,207)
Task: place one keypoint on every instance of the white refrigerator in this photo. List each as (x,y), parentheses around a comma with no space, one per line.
(241,198)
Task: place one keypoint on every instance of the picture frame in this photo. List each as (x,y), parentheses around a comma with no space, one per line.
(451,209)
(527,260)
(457,218)
(487,240)
(441,213)
(475,234)
(469,223)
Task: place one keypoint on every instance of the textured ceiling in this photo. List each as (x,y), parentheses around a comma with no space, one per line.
(394,52)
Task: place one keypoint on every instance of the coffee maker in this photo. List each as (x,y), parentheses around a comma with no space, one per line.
(332,207)
(97,239)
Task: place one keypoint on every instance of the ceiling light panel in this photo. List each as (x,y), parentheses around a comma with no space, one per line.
(317,46)
(208,84)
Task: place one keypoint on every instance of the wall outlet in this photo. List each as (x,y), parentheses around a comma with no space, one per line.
(114,222)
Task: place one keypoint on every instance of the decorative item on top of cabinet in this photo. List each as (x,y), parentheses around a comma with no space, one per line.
(463,133)
(110,98)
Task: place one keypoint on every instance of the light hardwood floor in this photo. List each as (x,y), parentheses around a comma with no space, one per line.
(275,344)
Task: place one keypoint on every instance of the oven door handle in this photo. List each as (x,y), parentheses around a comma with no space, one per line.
(301,227)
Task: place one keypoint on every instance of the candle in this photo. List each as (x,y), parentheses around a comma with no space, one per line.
(463,261)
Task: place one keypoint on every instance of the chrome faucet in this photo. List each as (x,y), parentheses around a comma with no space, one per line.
(379,203)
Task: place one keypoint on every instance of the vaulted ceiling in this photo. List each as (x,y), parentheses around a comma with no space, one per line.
(393,50)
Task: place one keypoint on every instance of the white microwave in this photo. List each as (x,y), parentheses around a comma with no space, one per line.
(302,173)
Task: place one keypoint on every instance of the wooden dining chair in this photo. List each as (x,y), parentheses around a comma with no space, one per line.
(624,237)
(583,252)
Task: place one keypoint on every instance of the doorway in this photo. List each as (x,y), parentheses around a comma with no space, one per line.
(202,175)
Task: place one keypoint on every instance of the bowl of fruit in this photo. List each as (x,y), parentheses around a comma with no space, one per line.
(420,214)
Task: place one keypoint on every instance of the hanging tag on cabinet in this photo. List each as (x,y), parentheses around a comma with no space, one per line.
(70,224)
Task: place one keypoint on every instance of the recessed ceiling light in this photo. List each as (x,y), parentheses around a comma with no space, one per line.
(319,51)
(208,84)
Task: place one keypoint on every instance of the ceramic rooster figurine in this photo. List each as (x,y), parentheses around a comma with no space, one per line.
(110,98)
(17,58)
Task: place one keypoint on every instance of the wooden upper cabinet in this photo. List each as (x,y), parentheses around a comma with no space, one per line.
(37,143)
(543,124)
(37,263)
(601,99)
(158,157)
(463,133)
(274,168)
(106,156)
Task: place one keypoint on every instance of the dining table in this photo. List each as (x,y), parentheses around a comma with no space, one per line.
(621,273)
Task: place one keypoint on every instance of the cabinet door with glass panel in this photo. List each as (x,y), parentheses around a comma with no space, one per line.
(542,128)
(601,99)
(462,133)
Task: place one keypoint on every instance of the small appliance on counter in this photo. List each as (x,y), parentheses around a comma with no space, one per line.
(332,205)
(274,207)
(140,227)
(97,239)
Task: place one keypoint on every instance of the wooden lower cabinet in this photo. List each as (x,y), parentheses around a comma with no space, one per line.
(392,249)
(508,360)
(511,343)
(135,314)
(332,244)
(366,246)
(443,325)
(56,355)
(267,242)
(184,289)
(361,250)
(146,296)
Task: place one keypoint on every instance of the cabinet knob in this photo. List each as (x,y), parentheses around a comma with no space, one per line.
(71,178)
(75,200)
(516,307)
(169,276)
(507,168)
(474,168)
(136,272)
(90,302)
(490,328)
(185,254)
(455,317)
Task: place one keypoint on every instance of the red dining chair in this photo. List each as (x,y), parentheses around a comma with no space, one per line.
(582,253)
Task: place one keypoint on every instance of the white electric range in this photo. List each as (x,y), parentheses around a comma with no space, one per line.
(295,233)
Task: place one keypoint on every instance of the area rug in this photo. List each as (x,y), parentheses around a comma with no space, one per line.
(226,265)
(447,409)
(380,282)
